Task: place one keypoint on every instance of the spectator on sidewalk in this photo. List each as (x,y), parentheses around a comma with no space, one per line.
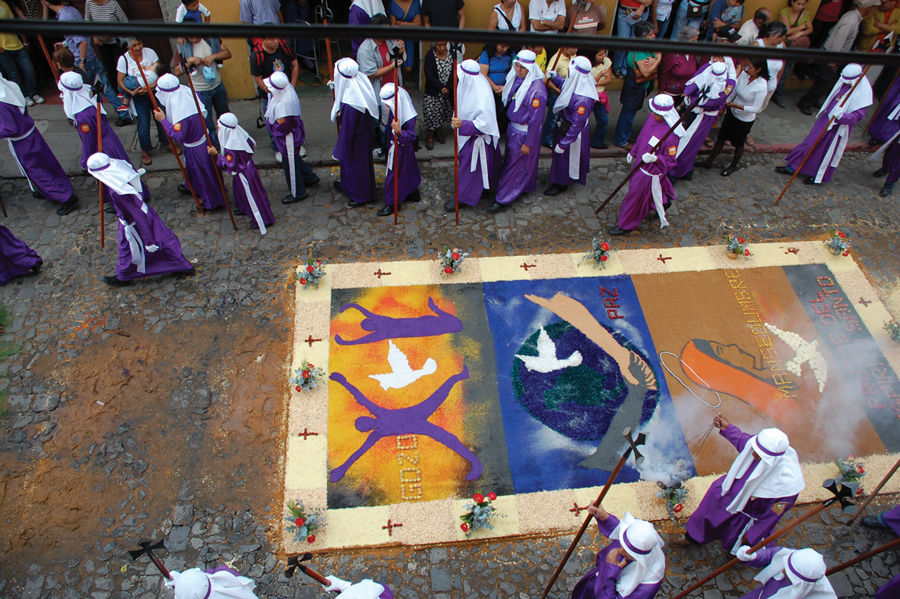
(772,36)
(826,17)
(660,16)
(438,101)
(878,24)
(676,69)
(361,13)
(15,62)
(547,16)
(633,92)
(109,47)
(270,55)
(444,13)
(202,56)
(690,13)
(496,62)
(297,11)
(130,64)
(628,15)
(508,16)
(376,62)
(406,13)
(799,23)
(840,40)
(749,31)
(192,9)
(722,13)
(602,75)
(585,18)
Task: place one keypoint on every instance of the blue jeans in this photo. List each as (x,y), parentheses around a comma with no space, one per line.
(625,28)
(92,70)
(144,109)
(599,137)
(215,98)
(549,120)
(623,127)
(682,20)
(303,174)
(784,75)
(17,65)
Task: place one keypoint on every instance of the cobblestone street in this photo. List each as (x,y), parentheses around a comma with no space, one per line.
(156,411)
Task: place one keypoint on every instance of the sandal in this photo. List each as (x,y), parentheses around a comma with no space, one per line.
(146,161)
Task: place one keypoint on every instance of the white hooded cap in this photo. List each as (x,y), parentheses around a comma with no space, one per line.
(176,98)
(76,95)
(116,174)
(805,568)
(476,101)
(860,90)
(353,88)
(528,60)
(777,474)
(641,541)
(578,83)
(664,105)
(283,100)
(405,106)
(11,94)
(197,584)
(231,135)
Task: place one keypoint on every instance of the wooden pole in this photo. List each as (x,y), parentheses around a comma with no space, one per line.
(880,104)
(331,72)
(863,557)
(587,521)
(869,499)
(396,142)
(171,143)
(821,135)
(209,143)
(795,522)
(49,60)
(100,183)
(454,48)
(313,574)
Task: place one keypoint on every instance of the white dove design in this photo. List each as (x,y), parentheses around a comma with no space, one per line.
(402,375)
(546,360)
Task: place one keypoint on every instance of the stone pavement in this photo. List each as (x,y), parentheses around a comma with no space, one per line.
(155,410)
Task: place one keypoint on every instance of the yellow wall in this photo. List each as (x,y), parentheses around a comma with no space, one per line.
(236,72)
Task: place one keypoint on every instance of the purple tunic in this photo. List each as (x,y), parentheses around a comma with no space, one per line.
(882,128)
(696,134)
(763,559)
(357,16)
(823,151)
(86,125)
(891,590)
(471,183)
(354,150)
(600,583)
(16,258)
(35,158)
(712,521)
(151,230)
(284,130)
(197,161)
(247,184)
(519,173)
(410,177)
(578,112)
(639,200)
(891,161)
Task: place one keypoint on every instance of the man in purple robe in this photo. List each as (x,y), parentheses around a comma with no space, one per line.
(889,154)
(183,125)
(355,105)
(650,185)
(632,565)
(288,132)
(887,520)
(525,97)
(16,258)
(404,127)
(706,93)
(788,573)
(885,124)
(237,159)
(220,582)
(146,246)
(572,135)
(34,157)
(478,135)
(847,105)
(361,12)
(364,589)
(743,507)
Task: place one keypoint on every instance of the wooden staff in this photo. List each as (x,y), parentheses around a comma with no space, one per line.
(49,60)
(100,183)
(880,104)
(184,67)
(396,145)
(864,556)
(331,74)
(455,49)
(171,143)
(821,135)
(869,499)
(313,574)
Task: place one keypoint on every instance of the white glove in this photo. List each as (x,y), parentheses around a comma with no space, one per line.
(648,157)
(743,554)
(337,585)
(141,172)
(169,583)
(559,149)
(629,158)
(551,74)
(330,84)
(837,112)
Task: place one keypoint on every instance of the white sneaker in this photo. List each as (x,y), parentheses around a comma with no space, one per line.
(29,102)
(278,157)
(302,152)
(37,99)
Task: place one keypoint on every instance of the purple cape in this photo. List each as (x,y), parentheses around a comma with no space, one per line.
(712,521)
(639,199)
(240,165)
(164,260)
(471,183)
(410,177)
(16,258)
(86,125)
(891,161)
(882,128)
(519,174)
(600,583)
(578,112)
(35,158)
(695,136)
(823,150)
(354,150)
(197,161)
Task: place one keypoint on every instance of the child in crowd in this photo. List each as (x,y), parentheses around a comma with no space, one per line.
(733,13)
(152,73)
(541,56)
(192,9)
(602,75)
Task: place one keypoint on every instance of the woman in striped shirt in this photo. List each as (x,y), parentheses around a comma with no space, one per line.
(109,49)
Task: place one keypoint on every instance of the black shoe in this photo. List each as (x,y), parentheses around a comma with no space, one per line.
(199,210)
(707,164)
(238,212)
(688,176)
(37,194)
(386,210)
(880,172)
(289,199)
(778,101)
(783,170)
(810,181)
(654,215)
(337,186)
(36,269)
(183,189)
(873,522)
(496,207)
(554,189)
(115,281)
(450,206)
(109,209)
(311,183)
(807,110)
(123,122)
(729,171)
(874,142)
(616,231)
(414,197)
(600,147)
(68,207)
(886,191)
(186,273)
(352,204)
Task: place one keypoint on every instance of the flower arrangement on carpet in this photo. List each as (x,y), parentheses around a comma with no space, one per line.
(599,253)
(451,259)
(306,522)
(852,473)
(736,246)
(314,271)
(893,329)
(478,513)
(838,243)
(307,377)
(674,495)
